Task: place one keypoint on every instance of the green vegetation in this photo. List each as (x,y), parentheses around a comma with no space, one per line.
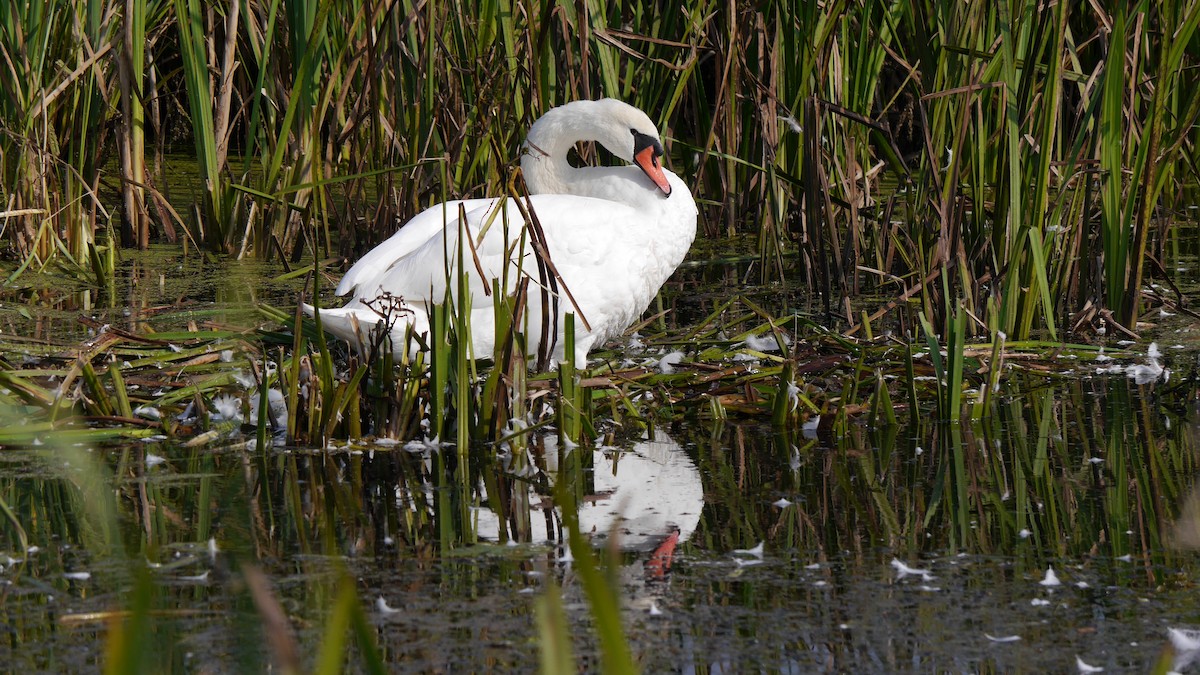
(1021,485)
(961,188)
(946,152)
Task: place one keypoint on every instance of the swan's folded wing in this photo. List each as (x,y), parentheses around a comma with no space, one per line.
(367,274)
(585,234)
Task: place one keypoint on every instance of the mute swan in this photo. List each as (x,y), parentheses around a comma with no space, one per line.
(614,235)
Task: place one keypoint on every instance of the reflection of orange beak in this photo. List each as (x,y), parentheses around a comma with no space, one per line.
(660,561)
(648,162)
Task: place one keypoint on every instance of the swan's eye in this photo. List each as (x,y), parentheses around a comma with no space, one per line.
(642,141)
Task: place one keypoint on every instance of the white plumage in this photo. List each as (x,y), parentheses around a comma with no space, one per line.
(614,235)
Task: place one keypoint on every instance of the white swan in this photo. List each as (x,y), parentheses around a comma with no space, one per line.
(614,235)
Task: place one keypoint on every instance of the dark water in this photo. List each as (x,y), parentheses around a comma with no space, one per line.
(824,596)
(895,549)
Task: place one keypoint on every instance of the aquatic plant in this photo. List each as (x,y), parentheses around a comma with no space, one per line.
(887,146)
(950,179)
(1043,472)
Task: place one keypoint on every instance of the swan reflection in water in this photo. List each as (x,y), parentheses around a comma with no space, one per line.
(646,498)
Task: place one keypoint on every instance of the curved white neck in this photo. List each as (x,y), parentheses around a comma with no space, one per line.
(544,162)
(547,170)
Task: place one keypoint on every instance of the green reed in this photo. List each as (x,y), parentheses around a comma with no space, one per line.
(597,576)
(885,146)
(51,116)
(1017,479)
(193,27)
(955,155)
(1044,475)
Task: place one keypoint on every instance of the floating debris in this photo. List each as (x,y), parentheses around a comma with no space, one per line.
(793,394)
(903,570)
(226,408)
(1085,668)
(1003,638)
(148,412)
(765,343)
(666,365)
(1151,370)
(809,428)
(756,552)
(1051,579)
(423,445)
(382,606)
(277,412)
(204,438)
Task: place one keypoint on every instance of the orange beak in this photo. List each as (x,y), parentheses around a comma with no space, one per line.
(647,160)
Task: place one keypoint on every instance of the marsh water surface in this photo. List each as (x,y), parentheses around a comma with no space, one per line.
(1055,531)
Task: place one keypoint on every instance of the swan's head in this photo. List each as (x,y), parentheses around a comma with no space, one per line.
(647,155)
(628,133)
(622,129)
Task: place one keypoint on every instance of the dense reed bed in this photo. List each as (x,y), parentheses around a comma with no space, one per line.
(962,189)
(1022,161)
